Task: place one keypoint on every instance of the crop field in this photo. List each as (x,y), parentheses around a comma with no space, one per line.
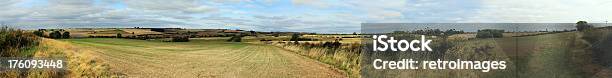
(550,55)
(202,58)
(558,55)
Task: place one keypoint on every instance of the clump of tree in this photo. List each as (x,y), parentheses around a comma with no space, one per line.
(235,38)
(335,44)
(55,34)
(180,39)
(435,32)
(453,31)
(276,34)
(58,35)
(490,33)
(295,38)
(583,25)
(119,35)
(66,35)
(14,42)
(39,33)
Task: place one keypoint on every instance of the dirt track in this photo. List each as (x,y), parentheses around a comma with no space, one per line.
(139,58)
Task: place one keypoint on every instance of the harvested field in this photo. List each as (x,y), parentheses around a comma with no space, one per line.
(203,58)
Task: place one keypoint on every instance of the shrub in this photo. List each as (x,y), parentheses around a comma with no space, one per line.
(433,32)
(119,35)
(236,38)
(453,31)
(583,25)
(295,37)
(39,33)
(66,35)
(13,42)
(276,34)
(489,33)
(334,44)
(180,39)
(55,34)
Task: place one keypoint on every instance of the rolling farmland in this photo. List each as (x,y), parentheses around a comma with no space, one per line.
(202,58)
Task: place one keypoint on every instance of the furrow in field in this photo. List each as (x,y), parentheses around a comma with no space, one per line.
(137,58)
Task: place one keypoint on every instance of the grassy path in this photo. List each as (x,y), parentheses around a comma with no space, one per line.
(202,58)
(543,56)
(551,57)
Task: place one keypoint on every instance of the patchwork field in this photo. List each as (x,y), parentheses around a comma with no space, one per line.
(202,58)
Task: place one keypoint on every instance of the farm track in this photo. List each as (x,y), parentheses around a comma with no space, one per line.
(138,58)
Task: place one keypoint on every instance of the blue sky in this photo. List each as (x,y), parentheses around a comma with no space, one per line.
(323,16)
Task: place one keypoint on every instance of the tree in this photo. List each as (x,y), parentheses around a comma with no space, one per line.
(583,25)
(236,38)
(354,33)
(39,33)
(489,33)
(276,34)
(180,39)
(295,37)
(119,35)
(66,35)
(55,34)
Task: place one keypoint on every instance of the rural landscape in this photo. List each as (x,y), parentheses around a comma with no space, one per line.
(305,39)
(577,53)
(176,52)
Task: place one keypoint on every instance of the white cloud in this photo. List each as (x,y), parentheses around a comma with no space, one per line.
(201,9)
(315,3)
(542,11)
(299,15)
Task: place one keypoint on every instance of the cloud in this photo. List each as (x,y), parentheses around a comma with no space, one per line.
(542,11)
(270,17)
(9,2)
(185,6)
(67,9)
(316,3)
(200,9)
(327,16)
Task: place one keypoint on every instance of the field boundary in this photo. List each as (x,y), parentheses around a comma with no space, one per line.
(310,58)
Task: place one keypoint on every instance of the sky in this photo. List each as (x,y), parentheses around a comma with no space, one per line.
(321,16)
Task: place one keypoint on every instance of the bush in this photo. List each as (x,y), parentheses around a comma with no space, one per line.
(180,39)
(433,32)
(55,34)
(453,31)
(334,44)
(119,35)
(66,35)
(39,33)
(489,33)
(295,37)
(13,42)
(583,25)
(236,38)
(276,34)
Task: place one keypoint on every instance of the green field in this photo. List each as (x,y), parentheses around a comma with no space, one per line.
(201,58)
